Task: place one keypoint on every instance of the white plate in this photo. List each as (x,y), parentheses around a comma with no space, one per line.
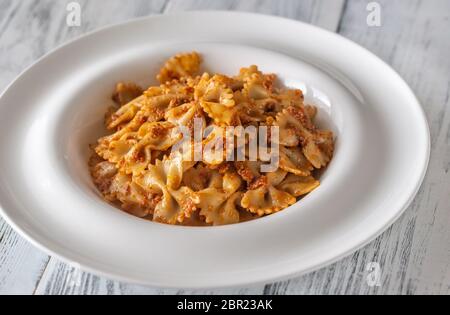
(50,114)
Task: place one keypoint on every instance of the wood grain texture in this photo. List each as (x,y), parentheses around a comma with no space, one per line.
(414,253)
(28,30)
(323,13)
(61,278)
(21,265)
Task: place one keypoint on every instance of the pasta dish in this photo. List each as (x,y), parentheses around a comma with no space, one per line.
(208,149)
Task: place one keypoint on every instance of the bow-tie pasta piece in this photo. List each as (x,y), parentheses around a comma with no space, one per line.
(185,115)
(254,88)
(269,106)
(184,86)
(218,91)
(213,203)
(217,100)
(292,131)
(126,92)
(150,107)
(253,74)
(248,110)
(103,173)
(267,199)
(227,213)
(132,197)
(195,220)
(128,111)
(124,114)
(179,66)
(136,160)
(311,111)
(249,170)
(116,150)
(202,86)
(134,155)
(294,161)
(287,98)
(245,74)
(296,128)
(176,203)
(175,166)
(298,185)
(319,148)
(158,135)
(214,153)
(181,115)
(114,147)
(201,177)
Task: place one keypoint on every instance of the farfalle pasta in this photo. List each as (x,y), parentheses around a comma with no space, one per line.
(148,168)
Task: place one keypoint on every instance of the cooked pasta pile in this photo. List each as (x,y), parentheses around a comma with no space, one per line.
(134,167)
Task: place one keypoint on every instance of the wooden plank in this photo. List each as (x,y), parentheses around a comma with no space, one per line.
(323,13)
(21,265)
(415,253)
(59,278)
(29,29)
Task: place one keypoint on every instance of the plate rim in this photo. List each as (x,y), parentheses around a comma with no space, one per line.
(267,279)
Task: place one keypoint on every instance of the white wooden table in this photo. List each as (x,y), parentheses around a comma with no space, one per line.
(414,254)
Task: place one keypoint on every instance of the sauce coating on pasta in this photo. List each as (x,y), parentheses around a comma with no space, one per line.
(146,166)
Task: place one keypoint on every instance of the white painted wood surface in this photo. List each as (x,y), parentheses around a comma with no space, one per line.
(414,254)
